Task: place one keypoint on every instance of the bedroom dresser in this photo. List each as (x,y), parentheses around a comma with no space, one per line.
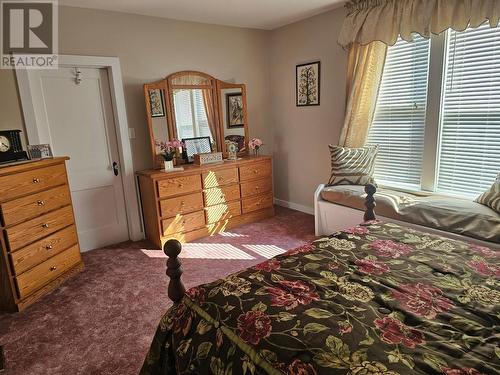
(204,200)
(38,241)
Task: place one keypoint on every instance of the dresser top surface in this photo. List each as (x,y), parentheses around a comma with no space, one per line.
(191,168)
(27,165)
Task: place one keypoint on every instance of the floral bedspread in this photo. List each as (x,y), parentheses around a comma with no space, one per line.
(376,299)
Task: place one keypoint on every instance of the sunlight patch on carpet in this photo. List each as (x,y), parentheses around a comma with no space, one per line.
(205,251)
(230,234)
(213,251)
(267,251)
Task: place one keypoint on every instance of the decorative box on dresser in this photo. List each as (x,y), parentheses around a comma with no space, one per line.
(39,243)
(204,200)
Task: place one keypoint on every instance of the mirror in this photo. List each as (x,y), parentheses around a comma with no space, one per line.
(155,95)
(194,114)
(233,115)
(189,104)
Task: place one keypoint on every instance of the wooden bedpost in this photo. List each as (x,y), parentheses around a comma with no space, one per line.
(370,204)
(176,289)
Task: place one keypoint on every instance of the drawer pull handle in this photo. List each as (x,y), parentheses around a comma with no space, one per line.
(36,180)
(40,203)
(53,268)
(48,247)
(45,225)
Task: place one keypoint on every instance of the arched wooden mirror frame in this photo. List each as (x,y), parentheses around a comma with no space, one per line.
(190,79)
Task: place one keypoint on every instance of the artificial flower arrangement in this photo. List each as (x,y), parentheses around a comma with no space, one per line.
(255,144)
(169,148)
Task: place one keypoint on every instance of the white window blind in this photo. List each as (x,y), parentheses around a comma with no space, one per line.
(399,120)
(470,123)
(190,114)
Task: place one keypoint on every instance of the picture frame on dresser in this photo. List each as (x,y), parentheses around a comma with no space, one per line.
(196,145)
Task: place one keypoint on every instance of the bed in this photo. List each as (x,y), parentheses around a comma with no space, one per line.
(376,298)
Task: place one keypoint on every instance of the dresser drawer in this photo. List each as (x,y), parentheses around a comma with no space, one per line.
(256,187)
(256,203)
(186,203)
(24,183)
(183,223)
(22,234)
(49,270)
(222,212)
(179,185)
(220,177)
(21,209)
(255,171)
(46,248)
(221,195)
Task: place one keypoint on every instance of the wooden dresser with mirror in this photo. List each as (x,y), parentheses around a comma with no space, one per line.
(201,200)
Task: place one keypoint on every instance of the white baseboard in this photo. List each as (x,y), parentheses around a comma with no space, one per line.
(294,206)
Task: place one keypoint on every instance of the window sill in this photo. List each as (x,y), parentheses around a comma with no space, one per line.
(424,193)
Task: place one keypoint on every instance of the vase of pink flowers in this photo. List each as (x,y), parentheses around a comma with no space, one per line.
(168,151)
(254,145)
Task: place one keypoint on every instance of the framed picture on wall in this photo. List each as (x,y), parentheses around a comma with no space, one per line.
(307,84)
(157,107)
(234,109)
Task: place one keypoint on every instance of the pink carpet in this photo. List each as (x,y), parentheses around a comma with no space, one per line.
(102,320)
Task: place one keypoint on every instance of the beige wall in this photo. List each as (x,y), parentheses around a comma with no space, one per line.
(151,48)
(11,116)
(302,134)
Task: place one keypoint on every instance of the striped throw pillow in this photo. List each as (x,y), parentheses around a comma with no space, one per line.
(352,166)
(491,197)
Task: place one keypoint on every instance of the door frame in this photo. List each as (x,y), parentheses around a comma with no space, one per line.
(112,65)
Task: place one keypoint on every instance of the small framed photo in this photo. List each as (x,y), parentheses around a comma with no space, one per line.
(39,151)
(197,145)
(307,86)
(157,107)
(234,108)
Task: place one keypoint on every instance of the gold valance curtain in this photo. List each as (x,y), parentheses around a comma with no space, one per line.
(385,20)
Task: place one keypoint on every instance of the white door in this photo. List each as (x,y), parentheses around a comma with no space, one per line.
(76,118)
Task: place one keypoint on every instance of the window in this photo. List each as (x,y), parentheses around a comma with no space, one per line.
(399,120)
(470,129)
(437,119)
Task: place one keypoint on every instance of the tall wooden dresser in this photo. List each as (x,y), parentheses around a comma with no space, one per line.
(204,200)
(39,243)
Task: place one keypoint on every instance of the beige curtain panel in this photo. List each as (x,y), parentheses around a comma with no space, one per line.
(385,20)
(364,73)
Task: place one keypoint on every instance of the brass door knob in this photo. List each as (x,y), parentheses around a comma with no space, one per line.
(48,247)
(53,268)
(36,180)
(45,225)
(40,203)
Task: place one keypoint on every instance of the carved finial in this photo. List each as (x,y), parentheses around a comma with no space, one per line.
(176,289)
(370,190)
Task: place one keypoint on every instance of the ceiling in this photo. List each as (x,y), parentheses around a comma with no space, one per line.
(259,14)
